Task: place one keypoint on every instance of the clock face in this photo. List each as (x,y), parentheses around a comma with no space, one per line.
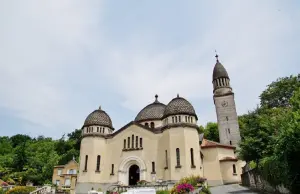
(224,103)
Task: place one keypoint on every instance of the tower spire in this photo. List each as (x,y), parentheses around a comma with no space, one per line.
(217,56)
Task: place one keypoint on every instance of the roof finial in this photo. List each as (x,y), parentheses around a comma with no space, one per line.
(156,96)
(73,157)
(217,56)
(100,107)
(177,95)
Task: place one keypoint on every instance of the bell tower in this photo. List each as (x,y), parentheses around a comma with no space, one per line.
(228,126)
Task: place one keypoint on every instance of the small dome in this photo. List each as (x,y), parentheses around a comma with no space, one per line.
(179,105)
(98,117)
(219,71)
(153,111)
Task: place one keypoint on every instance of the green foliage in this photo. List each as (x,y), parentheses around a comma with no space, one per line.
(163,192)
(278,93)
(201,129)
(24,159)
(20,190)
(211,132)
(205,190)
(271,134)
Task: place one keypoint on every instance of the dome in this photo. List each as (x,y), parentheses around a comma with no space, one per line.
(219,71)
(98,117)
(179,105)
(153,111)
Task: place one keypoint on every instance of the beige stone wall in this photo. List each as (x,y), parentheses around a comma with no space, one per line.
(154,147)
(211,166)
(227,172)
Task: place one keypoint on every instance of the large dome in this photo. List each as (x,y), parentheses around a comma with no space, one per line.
(153,111)
(98,117)
(179,105)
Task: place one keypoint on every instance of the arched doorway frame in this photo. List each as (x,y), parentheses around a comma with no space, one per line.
(123,172)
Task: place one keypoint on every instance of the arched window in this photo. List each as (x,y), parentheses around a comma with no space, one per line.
(98,163)
(234,169)
(166,152)
(132,143)
(175,119)
(103,130)
(147,124)
(178,157)
(141,142)
(124,143)
(230,142)
(128,142)
(153,168)
(172,119)
(86,161)
(152,125)
(192,158)
(136,141)
(97,129)
(186,119)
(179,118)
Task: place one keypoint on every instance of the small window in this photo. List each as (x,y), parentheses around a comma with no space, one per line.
(172,119)
(175,119)
(112,169)
(128,142)
(230,142)
(59,172)
(166,153)
(152,125)
(97,129)
(191,119)
(179,119)
(136,141)
(132,142)
(192,158)
(98,163)
(86,161)
(57,182)
(228,130)
(153,167)
(141,142)
(103,130)
(67,182)
(226,118)
(186,119)
(147,124)
(178,156)
(234,169)
(124,143)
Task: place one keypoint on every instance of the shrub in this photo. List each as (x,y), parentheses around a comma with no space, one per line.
(142,182)
(184,188)
(20,190)
(195,181)
(205,190)
(1,191)
(162,192)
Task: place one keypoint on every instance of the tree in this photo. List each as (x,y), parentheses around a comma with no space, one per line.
(211,132)
(19,139)
(201,129)
(278,93)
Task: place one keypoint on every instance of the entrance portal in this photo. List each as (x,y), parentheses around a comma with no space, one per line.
(134,174)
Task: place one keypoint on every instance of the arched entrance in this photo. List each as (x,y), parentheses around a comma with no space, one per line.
(127,165)
(134,174)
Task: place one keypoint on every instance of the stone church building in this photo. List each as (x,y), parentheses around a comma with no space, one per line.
(162,144)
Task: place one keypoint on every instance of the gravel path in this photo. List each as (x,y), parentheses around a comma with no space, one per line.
(231,189)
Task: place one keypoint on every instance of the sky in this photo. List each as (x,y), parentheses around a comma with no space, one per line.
(61,60)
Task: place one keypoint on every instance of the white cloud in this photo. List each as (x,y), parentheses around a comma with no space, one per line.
(59,59)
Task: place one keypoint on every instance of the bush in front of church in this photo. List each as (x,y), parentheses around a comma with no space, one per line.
(20,190)
(195,181)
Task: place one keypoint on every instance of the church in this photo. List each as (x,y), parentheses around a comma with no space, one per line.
(162,143)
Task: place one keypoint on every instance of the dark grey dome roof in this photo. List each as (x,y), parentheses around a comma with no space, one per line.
(179,105)
(152,111)
(219,71)
(98,117)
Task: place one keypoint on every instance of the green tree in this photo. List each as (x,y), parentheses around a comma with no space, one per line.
(278,93)
(19,139)
(201,129)
(211,132)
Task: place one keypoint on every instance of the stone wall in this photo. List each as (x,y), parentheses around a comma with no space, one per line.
(253,179)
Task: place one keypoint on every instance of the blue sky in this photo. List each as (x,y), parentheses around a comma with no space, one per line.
(60,60)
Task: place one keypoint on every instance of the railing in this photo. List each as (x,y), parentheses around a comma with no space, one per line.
(120,188)
(42,190)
